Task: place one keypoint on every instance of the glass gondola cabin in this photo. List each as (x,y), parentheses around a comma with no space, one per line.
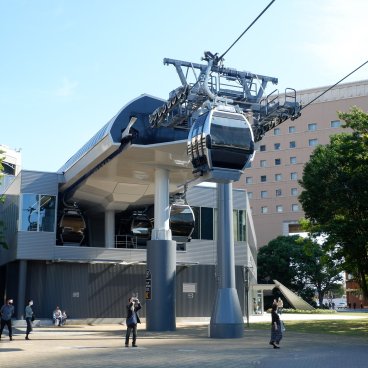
(182,222)
(220,143)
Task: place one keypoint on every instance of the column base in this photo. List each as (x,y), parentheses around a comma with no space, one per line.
(227,319)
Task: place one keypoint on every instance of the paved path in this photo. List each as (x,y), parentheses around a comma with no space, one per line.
(103,346)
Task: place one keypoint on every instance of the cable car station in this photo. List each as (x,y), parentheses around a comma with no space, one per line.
(127,188)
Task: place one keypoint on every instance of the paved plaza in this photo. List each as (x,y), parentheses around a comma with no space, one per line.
(103,346)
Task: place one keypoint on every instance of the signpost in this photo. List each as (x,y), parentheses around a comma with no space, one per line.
(148,291)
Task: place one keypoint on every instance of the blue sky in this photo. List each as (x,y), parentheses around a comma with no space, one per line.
(68,66)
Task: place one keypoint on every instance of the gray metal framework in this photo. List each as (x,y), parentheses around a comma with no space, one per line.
(218,83)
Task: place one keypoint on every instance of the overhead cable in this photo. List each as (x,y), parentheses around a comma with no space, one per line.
(255,20)
(328,89)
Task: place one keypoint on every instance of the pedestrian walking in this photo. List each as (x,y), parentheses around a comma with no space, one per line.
(276,328)
(132,319)
(29,315)
(7,311)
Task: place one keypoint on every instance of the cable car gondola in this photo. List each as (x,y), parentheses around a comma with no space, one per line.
(141,227)
(220,144)
(137,229)
(71,227)
(182,222)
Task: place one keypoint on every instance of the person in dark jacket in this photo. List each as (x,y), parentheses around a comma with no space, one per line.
(29,318)
(132,319)
(276,331)
(7,311)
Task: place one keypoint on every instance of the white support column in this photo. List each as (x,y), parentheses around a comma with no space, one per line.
(109,229)
(161,230)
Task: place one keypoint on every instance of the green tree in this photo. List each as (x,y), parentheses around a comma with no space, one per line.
(318,268)
(335,194)
(274,260)
(300,264)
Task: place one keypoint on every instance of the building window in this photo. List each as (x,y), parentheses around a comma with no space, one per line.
(249,180)
(279,208)
(207,223)
(313,142)
(335,124)
(294,176)
(263,163)
(38,213)
(278,192)
(292,129)
(239,219)
(278,177)
(277,146)
(295,207)
(292,144)
(250,195)
(264,209)
(262,147)
(293,160)
(263,178)
(206,218)
(312,127)
(277,161)
(264,194)
(294,191)
(276,131)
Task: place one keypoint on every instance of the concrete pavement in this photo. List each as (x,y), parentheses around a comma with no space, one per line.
(103,346)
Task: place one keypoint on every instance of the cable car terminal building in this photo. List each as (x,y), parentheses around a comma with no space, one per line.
(78,237)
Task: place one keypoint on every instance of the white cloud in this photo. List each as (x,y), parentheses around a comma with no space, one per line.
(67,88)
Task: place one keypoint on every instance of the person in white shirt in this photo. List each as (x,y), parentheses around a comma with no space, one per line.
(57,316)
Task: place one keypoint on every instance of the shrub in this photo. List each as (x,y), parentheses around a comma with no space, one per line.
(301,311)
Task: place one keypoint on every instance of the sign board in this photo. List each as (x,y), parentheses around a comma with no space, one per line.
(189,287)
(148,290)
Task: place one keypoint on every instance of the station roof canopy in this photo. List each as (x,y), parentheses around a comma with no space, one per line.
(115,169)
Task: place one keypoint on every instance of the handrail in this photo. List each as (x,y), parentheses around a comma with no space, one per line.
(125,241)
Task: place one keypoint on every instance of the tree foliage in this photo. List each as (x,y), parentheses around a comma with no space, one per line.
(300,264)
(274,259)
(335,194)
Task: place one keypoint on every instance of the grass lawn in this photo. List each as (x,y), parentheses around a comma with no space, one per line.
(345,327)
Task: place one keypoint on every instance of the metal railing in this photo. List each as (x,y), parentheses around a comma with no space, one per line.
(125,241)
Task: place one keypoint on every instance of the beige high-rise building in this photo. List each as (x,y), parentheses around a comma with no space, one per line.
(272,179)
